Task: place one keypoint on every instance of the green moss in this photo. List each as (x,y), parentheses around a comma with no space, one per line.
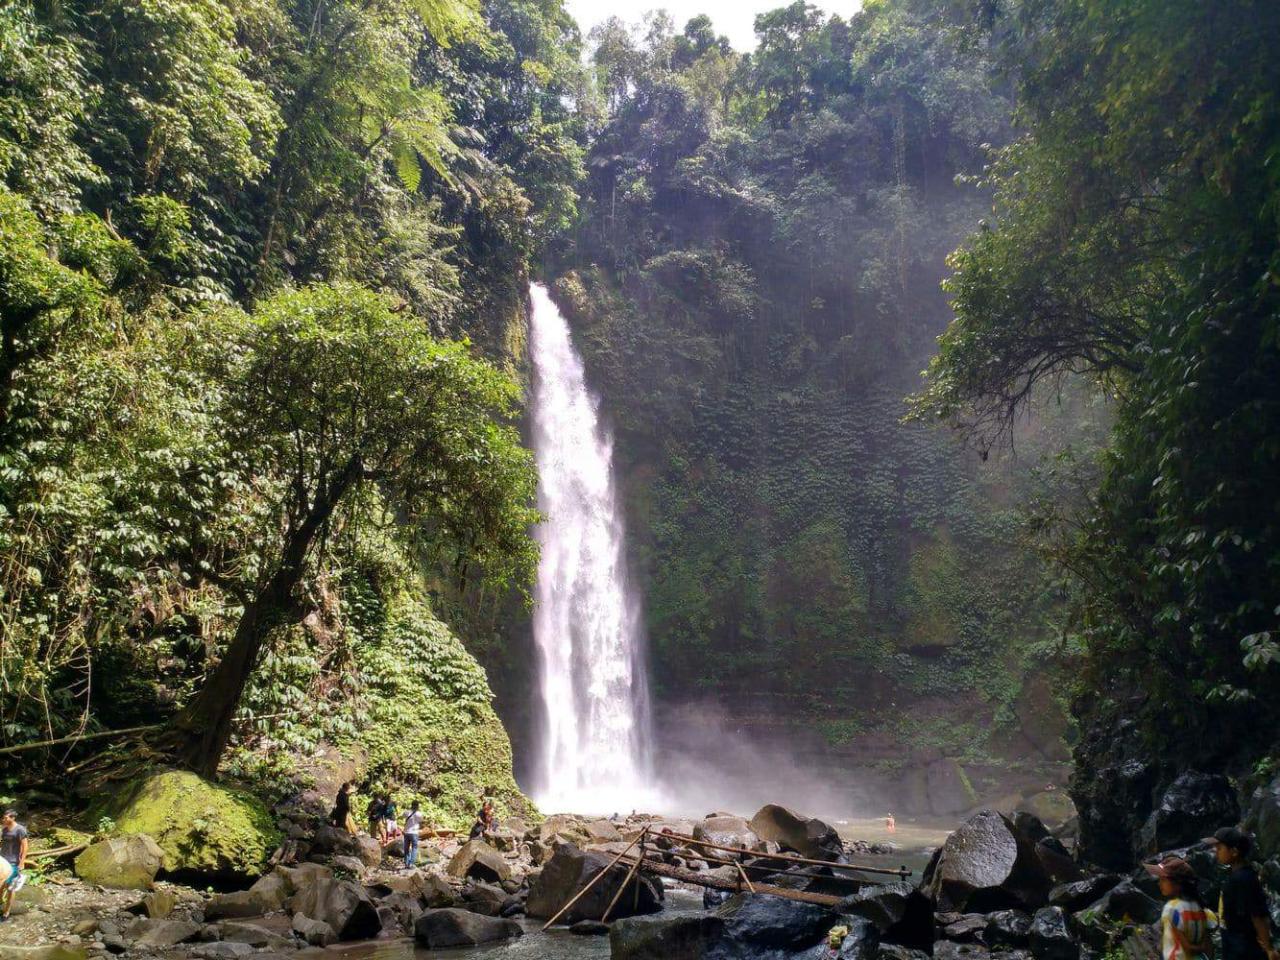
(202,827)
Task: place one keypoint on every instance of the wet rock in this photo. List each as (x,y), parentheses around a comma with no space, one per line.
(122,863)
(950,950)
(571,869)
(451,927)
(486,898)
(345,906)
(1050,936)
(1007,928)
(862,942)
(987,865)
(1113,782)
(590,928)
(807,836)
(727,831)
(405,908)
(901,913)
(1125,901)
(962,928)
(477,860)
(316,933)
(678,938)
(771,922)
(160,933)
(1076,896)
(1193,806)
(894,951)
(1057,861)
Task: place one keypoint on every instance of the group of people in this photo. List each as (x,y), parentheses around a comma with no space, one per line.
(1187,921)
(381,812)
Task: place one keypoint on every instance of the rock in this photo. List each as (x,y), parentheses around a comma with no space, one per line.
(948,950)
(590,928)
(451,927)
(1125,901)
(948,788)
(1057,861)
(1263,819)
(273,889)
(1007,928)
(1113,782)
(602,831)
(369,851)
(862,942)
(678,938)
(122,863)
(987,865)
(571,869)
(901,913)
(893,951)
(964,928)
(253,934)
(1050,938)
(1076,896)
(48,951)
(160,933)
(756,923)
(345,906)
(222,951)
(406,908)
(240,903)
(204,829)
(316,933)
(486,898)
(351,865)
(726,831)
(1053,807)
(479,861)
(333,841)
(563,826)
(1193,806)
(805,835)
(85,927)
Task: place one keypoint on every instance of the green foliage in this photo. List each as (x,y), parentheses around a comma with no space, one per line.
(1134,244)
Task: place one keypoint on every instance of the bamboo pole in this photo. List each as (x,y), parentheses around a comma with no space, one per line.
(745,879)
(789,857)
(622,889)
(732,886)
(594,880)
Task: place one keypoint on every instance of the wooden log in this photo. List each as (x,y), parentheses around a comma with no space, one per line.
(622,889)
(732,886)
(902,872)
(594,880)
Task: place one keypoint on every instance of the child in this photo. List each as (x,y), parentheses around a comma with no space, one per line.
(1184,922)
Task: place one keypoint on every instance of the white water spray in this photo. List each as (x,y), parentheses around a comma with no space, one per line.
(596,744)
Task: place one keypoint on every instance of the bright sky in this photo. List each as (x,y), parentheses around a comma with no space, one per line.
(733,18)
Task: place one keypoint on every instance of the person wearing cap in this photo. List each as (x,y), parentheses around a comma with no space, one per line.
(1242,907)
(1184,922)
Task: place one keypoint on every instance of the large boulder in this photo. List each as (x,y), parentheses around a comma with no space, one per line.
(985,865)
(900,912)
(805,835)
(145,932)
(602,831)
(451,927)
(1125,902)
(239,904)
(331,841)
(345,906)
(1051,938)
(316,933)
(1263,819)
(1193,806)
(570,870)
(759,923)
(1007,928)
(1076,896)
(123,863)
(677,938)
(477,860)
(205,830)
(726,831)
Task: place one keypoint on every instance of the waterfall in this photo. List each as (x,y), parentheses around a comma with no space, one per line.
(586,622)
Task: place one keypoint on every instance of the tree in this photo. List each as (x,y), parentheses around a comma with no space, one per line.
(333,390)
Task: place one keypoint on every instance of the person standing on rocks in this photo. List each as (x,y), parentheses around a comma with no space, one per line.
(13,849)
(1184,922)
(1242,906)
(412,827)
(341,816)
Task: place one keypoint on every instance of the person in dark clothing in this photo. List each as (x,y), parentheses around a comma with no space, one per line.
(377,812)
(1242,908)
(13,848)
(486,821)
(341,815)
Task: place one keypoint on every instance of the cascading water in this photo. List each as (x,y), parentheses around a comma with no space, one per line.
(596,743)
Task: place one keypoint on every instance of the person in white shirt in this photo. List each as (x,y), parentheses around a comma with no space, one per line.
(412,827)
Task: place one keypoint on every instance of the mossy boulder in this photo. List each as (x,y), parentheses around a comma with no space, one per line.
(204,829)
(122,863)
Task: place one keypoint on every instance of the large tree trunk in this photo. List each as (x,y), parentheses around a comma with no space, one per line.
(203,729)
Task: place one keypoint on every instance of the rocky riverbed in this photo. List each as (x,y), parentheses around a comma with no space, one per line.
(998,886)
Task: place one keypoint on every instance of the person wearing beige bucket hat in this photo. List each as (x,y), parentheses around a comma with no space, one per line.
(1184,922)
